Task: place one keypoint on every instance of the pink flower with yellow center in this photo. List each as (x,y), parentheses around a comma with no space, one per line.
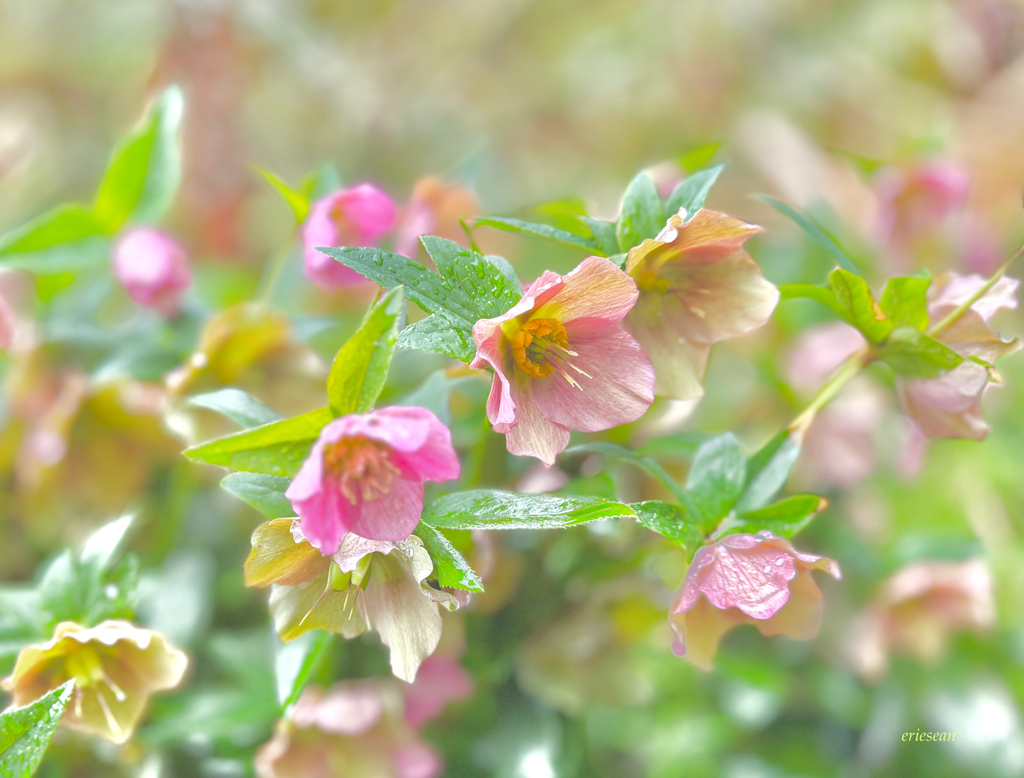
(562,361)
(365,475)
(359,216)
(746,579)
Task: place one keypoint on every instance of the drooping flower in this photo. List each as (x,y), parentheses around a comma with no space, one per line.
(359,216)
(562,361)
(918,611)
(153,269)
(436,208)
(367,584)
(365,475)
(697,287)
(950,405)
(116,666)
(746,579)
(354,729)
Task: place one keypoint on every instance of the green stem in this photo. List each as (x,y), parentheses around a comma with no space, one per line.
(848,370)
(959,311)
(274,272)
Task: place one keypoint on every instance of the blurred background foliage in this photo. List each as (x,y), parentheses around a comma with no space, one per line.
(530,102)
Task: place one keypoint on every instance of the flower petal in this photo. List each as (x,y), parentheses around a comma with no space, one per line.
(707,237)
(533,434)
(948,406)
(699,630)
(678,364)
(325,515)
(436,459)
(439,681)
(393,515)
(277,558)
(595,289)
(314,605)
(800,617)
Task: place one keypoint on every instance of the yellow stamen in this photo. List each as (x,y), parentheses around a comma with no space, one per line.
(541,346)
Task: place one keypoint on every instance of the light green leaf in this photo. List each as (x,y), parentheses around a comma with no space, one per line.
(145,168)
(102,546)
(437,334)
(692,192)
(768,470)
(481,287)
(64,239)
(297,201)
(905,301)
(604,235)
(818,234)
(538,230)
(648,465)
(450,567)
(642,214)
(263,492)
(25,733)
(784,519)
(811,292)
(242,408)
(296,662)
(910,352)
(361,366)
(691,161)
(486,509)
(278,448)
(671,521)
(858,306)
(717,476)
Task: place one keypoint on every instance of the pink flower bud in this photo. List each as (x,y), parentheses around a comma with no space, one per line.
(153,269)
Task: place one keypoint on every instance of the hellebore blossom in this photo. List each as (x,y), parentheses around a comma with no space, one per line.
(915,201)
(746,579)
(365,475)
(153,269)
(562,361)
(950,405)
(359,216)
(354,729)
(367,584)
(436,208)
(115,666)
(697,287)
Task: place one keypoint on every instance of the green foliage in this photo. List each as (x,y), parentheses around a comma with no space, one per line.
(450,567)
(647,464)
(642,215)
(25,733)
(817,233)
(67,238)
(717,476)
(243,409)
(856,304)
(297,201)
(263,492)
(768,470)
(436,333)
(540,230)
(905,301)
(693,191)
(296,662)
(491,509)
(910,352)
(672,521)
(784,519)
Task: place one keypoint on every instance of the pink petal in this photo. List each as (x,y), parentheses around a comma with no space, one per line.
(707,237)
(948,406)
(595,289)
(417,760)
(421,443)
(492,350)
(153,269)
(952,289)
(440,680)
(678,364)
(533,434)
(325,516)
(7,324)
(699,630)
(392,516)
(619,390)
(800,617)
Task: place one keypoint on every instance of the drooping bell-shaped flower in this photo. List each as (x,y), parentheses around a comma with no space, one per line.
(359,216)
(153,269)
(562,361)
(746,579)
(365,475)
(697,287)
(116,666)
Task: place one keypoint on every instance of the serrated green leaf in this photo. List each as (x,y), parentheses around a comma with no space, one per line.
(263,492)
(241,407)
(487,509)
(450,567)
(480,287)
(642,215)
(767,471)
(648,465)
(538,230)
(298,202)
(25,733)
(145,168)
(905,301)
(910,352)
(671,521)
(818,234)
(858,305)
(604,235)
(784,519)
(296,662)
(65,239)
(437,334)
(693,191)
(717,476)
(361,366)
(278,448)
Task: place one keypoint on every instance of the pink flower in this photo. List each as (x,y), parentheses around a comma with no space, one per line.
(697,287)
(950,405)
(440,680)
(436,208)
(365,475)
(153,269)
(562,361)
(746,579)
(8,324)
(916,200)
(359,216)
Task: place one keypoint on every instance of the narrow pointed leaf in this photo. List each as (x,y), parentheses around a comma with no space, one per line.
(648,465)
(450,567)
(818,234)
(672,521)
(25,733)
(297,201)
(296,662)
(767,471)
(910,352)
(487,509)
(241,407)
(717,476)
(64,239)
(692,192)
(783,519)
(538,230)
(263,492)
(642,215)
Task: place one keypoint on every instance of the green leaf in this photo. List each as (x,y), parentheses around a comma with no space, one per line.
(783,519)
(905,301)
(811,292)
(437,334)
(481,288)
(145,168)
(671,521)
(486,509)
(818,234)
(604,235)
(858,305)
(263,492)
(25,733)
(694,159)
(103,545)
(910,352)
(64,239)
(361,366)
(278,448)
(241,407)
(693,191)
(768,470)
(648,465)
(297,201)
(717,476)
(538,230)
(450,567)
(296,662)
(642,215)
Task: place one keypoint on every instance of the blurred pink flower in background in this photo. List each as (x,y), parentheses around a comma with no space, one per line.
(440,680)
(436,208)
(153,269)
(917,612)
(746,579)
(359,216)
(365,475)
(916,200)
(8,324)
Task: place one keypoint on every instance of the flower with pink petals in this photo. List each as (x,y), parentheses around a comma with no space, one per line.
(153,269)
(436,208)
(359,216)
(440,680)
(697,287)
(365,475)
(746,579)
(562,361)
(8,324)
(916,200)
(950,405)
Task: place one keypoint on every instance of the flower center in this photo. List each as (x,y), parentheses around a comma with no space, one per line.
(541,346)
(362,467)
